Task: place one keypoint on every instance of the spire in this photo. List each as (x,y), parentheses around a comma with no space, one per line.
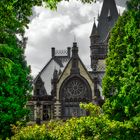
(94,29)
(74,50)
(94,34)
(107,19)
(75,58)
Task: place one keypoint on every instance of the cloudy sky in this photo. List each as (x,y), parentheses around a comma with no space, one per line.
(57,29)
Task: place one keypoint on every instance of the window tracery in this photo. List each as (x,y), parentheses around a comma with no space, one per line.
(75,88)
(74,91)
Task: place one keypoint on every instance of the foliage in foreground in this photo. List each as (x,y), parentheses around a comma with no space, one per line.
(14,87)
(94,127)
(32,133)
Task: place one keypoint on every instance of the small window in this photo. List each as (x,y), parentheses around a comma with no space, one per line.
(46,112)
(37,91)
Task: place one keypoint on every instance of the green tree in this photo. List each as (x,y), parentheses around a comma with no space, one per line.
(15,87)
(15,79)
(121,83)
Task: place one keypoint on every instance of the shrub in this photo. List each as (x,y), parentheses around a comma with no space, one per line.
(97,126)
(32,133)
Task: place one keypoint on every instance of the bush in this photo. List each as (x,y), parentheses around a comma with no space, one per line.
(97,126)
(32,133)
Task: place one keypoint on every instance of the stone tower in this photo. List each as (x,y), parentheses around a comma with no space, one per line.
(99,44)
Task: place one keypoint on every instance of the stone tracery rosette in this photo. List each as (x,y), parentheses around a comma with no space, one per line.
(75,88)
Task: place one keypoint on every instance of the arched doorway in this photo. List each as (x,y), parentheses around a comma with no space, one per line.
(73,91)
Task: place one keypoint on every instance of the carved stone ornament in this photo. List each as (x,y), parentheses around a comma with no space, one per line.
(75,88)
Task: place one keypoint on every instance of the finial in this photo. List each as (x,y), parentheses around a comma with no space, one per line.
(94,19)
(74,43)
(94,29)
(74,38)
(94,22)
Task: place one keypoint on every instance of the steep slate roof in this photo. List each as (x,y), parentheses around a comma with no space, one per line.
(108,17)
(60,57)
(58,62)
(94,29)
(57,59)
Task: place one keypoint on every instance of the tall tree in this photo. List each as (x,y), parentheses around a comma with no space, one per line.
(15,79)
(121,84)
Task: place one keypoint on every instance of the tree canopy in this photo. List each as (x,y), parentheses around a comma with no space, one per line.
(121,84)
(15,79)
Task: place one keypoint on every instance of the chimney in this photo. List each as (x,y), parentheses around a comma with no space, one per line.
(53,52)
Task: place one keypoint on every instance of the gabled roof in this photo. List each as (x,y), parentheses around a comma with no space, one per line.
(108,17)
(74,66)
(41,71)
(81,64)
(57,59)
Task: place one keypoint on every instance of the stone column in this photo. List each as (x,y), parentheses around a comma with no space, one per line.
(57,110)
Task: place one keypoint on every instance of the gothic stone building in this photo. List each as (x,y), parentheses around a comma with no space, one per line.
(64,82)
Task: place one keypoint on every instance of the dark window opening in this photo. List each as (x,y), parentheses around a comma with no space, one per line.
(46,112)
(37,91)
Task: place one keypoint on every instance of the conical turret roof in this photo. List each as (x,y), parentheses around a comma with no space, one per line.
(107,19)
(94,29)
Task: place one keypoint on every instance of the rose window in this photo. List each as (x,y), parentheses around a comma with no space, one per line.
(74,91)
(75,88)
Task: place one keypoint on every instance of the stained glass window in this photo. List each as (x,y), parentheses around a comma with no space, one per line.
(73,92)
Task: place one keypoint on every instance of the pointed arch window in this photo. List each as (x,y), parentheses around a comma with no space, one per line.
(72,92)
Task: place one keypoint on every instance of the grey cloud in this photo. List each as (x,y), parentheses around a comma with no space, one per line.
(57,28)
